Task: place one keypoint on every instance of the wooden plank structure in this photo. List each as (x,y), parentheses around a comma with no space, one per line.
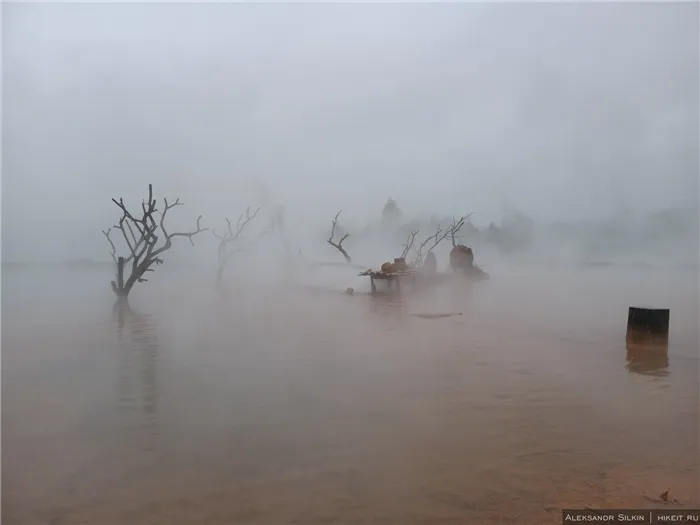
(418,276)
(397,279)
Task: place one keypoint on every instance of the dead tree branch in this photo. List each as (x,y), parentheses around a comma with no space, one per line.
(231,235)
(410,241)
(456,226)
(113,253)
(436,238)
(339,245)
(141,233)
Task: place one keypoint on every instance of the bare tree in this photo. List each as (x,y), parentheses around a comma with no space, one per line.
(436,239)
(339,245)
(141,234)
(231,236)
(408,245)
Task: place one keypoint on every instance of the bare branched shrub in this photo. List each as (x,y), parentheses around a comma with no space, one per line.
(142,233)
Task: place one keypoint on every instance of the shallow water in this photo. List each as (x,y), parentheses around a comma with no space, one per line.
(303,405)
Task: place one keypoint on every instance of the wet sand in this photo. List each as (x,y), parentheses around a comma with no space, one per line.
(262,406)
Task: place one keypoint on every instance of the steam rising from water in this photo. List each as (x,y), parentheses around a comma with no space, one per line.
(236,402)
(272,397)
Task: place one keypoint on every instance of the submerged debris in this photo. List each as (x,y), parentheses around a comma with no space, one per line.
(437,316)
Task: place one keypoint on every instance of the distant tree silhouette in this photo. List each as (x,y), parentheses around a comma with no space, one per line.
(229,240)
(338,245)
(391,214)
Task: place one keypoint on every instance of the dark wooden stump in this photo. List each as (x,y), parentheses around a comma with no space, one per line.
(647,324)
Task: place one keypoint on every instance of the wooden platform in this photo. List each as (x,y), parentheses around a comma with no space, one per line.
(397,278)
(417,276)
(383,275)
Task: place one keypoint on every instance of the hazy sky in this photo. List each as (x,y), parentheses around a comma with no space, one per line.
(562,110)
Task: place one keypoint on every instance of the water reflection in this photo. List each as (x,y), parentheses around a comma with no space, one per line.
(138,366)
(387,307)
(352,400)
(648,360)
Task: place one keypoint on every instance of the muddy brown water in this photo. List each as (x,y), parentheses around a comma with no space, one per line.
(297,405)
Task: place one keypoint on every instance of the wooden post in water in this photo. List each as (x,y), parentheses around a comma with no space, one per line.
(648,325)
(401,266)
(120,273)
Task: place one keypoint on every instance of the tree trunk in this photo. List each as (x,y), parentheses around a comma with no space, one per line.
(122,302)
(118,287)
(120,273)
(223,259)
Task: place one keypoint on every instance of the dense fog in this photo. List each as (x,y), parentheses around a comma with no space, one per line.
(568,131)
